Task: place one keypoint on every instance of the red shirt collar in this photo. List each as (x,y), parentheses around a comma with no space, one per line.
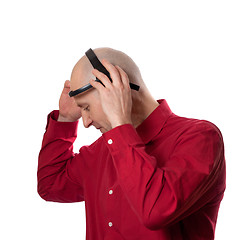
(152,125)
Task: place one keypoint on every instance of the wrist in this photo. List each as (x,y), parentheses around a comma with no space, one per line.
(64,119)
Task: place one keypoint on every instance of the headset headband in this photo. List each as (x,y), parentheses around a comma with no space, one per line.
(99,66)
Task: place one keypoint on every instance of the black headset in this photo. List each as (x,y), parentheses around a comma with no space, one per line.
(99,66)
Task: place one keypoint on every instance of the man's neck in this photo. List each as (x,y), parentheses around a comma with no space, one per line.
(142,109)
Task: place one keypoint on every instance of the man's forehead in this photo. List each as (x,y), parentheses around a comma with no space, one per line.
(80,100)
(83,98)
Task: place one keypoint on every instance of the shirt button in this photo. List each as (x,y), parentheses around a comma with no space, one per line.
(110,192)
(110,224)
(110,141)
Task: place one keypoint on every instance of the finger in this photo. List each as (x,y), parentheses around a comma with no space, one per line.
(102,77)
(67,84)
(66,87)
(96,85)
(124,76)
(115,76)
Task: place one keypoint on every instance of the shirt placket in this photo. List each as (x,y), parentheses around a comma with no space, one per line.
(112,209)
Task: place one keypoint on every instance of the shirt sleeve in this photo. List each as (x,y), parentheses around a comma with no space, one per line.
(164,195)
(56,176)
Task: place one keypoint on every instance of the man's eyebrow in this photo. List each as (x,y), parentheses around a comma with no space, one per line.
(81,104)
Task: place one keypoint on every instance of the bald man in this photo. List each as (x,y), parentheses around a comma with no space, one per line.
(151,175)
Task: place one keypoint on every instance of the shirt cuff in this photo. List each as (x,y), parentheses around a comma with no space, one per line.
(60,129)
(122,136)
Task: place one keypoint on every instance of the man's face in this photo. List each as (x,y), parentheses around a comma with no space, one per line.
(89,101)
(92,112)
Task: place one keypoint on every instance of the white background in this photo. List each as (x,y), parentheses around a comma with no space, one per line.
(189,52)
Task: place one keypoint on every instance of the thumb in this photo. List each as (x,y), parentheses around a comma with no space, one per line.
(67,84)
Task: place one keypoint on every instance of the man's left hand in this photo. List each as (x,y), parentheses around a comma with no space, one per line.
(116,97)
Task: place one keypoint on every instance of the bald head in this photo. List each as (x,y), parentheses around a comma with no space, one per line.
(82,71)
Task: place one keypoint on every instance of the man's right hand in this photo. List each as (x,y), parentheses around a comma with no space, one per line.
(68,109)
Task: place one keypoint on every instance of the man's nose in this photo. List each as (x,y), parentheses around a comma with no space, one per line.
(86,120)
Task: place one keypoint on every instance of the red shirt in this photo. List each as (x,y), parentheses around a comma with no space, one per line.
(163,180)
